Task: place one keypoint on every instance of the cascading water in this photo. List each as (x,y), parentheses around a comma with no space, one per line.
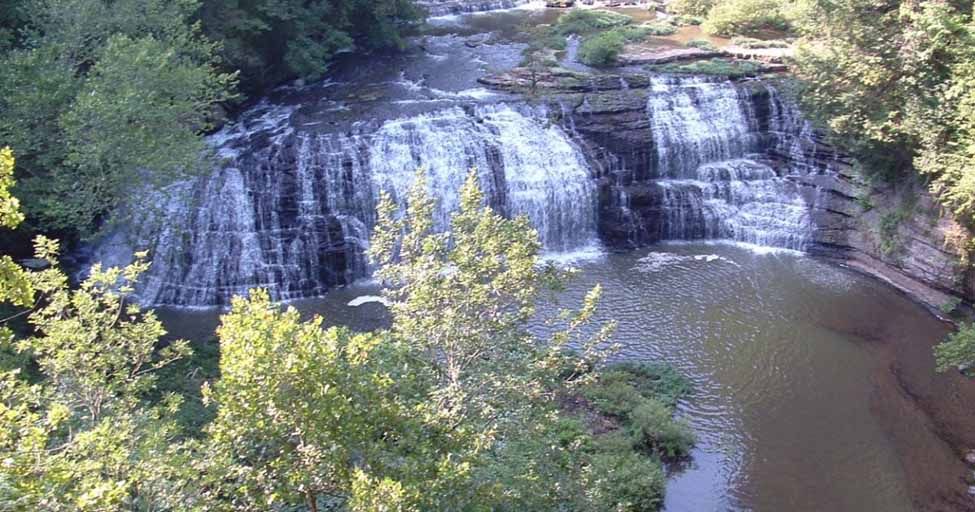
(294,215)
(291,206)
(714,180)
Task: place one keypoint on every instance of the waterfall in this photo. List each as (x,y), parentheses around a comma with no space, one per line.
(291,205)
(714,180)
(291,211)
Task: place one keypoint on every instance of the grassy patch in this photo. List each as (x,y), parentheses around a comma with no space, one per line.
(702,44)
(582,22)
(642,398)
(719,67)
(757,44)
(660,28)
(683,20)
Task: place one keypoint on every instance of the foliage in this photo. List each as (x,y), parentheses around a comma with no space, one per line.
(719,67)
(585,21)
(626,482)
(274,40)
(950,305)
(290,420)
(894,87)
(957,350)
(602,49)
(103,447)
(660,28)
(890,223)
(702,44)
(683,20)
(690,7)
(733,17)
(97,94)
(754,44)
(653,428)
(642,397)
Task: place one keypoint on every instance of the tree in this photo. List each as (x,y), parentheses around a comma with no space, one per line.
(304,412)
(892,81)
(274,40)
(461,408)
(735,17)
(84,438)
(99,96)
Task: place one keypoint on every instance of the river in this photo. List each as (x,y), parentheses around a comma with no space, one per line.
(794,361)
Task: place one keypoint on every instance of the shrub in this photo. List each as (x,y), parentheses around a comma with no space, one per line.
(614,396)
(754,44)
(601,49)
(735,17)
(957,350)
(683,20)
(625,481)
(653,427)
(690,7)
(660,28)
(651,380)
(702,44)
(717,67)
(579,21)
(633,32)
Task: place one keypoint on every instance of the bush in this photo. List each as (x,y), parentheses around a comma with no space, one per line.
(653,428)
(717,67)
(683,20)
(754,44)
(651,380)
(601,49)
(579,21)
(957,350)
(702,44)
(614,396)
(633,32)
(735,17)
(660,28)
(625,481)
(690,7)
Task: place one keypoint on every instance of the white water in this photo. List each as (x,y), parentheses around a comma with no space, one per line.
(295,216)
(713,182)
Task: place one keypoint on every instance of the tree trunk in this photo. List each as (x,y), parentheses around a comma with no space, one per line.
(312,500)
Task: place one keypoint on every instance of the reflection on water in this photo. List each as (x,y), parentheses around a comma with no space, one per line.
(782,405)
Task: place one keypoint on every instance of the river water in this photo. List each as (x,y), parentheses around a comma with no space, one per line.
(793,406)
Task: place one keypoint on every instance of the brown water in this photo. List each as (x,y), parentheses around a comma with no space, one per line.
(796,406)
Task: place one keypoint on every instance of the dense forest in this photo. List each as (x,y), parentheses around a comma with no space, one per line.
(457,405)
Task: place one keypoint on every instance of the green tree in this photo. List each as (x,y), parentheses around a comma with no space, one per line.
(736,17)
(892,80)
(274,40)
(303,412)
(83,438)
(100,96)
